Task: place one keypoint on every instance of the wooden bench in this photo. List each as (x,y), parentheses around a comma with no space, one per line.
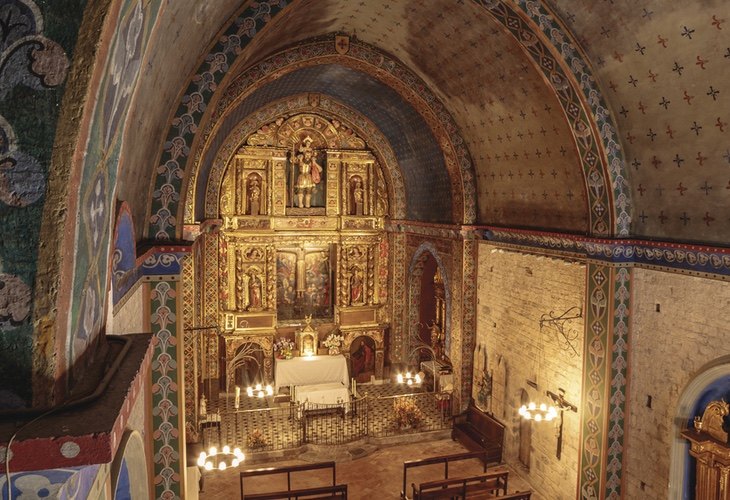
(443,459)
(288,470)
(477,430)
(485,485)
(337,491)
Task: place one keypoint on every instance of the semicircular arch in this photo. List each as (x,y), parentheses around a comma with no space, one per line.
(206,206)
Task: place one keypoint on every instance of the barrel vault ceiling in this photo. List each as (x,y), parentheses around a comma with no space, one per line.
(662,67)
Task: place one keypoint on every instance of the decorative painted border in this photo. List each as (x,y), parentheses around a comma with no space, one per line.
(697,260)
(582,119)
(164,261)
(470,255)
(564,43)
(595,387)
(165,411)
(621,278)
(172,165)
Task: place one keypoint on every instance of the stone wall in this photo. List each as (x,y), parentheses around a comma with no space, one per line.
(679,323)
(514,291)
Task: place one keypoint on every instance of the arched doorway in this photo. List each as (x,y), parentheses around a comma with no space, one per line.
(712,382)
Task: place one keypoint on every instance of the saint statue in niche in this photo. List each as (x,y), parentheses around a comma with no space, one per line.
(356,282)
(437,341)
(309,173)
(254,196)
(254,291)
(358,196)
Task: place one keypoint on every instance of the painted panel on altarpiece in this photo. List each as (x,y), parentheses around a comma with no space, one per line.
(304,283)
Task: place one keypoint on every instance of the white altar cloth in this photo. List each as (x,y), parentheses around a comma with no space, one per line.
(328,394)
(310,370)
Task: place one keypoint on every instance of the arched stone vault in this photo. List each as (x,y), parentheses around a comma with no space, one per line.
(167,195)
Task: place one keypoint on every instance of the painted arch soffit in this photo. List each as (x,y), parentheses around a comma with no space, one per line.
(323,106)
(184,132)
(165,198)
(542,36)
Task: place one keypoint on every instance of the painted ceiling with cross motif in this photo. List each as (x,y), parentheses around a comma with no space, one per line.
(662,68)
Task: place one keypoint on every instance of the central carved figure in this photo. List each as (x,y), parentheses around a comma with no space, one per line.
(310,173)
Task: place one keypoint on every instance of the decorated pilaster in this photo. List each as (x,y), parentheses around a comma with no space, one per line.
(604,384)
(163,267)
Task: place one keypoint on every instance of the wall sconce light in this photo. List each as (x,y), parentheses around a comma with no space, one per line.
(569,337)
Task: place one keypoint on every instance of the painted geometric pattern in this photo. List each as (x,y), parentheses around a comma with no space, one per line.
(165,411)
(688,259)
(617,400)
(595,384)
(665,68)
(456,315)
(598,186)
(468,329)
(188,302)
(398,294)
(166,195)
(565,45)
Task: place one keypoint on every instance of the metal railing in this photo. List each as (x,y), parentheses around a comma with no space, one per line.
(290,426)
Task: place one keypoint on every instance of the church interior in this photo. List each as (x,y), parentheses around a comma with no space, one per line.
(493,228)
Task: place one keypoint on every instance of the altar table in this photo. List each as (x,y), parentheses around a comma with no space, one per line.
(328,394)
(310,370)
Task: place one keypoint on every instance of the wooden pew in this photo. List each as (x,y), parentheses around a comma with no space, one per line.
(518,495)
(443,459)
(483,486)
(288,470)
(321,493)
(477,430)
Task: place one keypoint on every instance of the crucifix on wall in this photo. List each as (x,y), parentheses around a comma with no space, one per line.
(563,405)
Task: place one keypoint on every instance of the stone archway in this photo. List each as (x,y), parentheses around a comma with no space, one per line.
(689,399)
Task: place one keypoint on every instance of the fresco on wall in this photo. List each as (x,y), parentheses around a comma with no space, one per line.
(125,271)
(73,483)
(99,173)
(33,69)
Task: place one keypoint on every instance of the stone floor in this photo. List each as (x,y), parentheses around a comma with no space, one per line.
(378,475)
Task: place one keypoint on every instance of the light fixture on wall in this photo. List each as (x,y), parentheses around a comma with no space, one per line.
(568,338)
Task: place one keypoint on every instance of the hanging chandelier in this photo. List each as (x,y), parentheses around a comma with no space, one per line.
(538,413)
(220,460)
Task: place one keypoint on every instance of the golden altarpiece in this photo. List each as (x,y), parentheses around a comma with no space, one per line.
(302,208)
(710,446)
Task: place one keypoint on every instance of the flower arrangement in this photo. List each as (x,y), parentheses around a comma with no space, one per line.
(333,341)
(256,440)
(284,347)
(406,413)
